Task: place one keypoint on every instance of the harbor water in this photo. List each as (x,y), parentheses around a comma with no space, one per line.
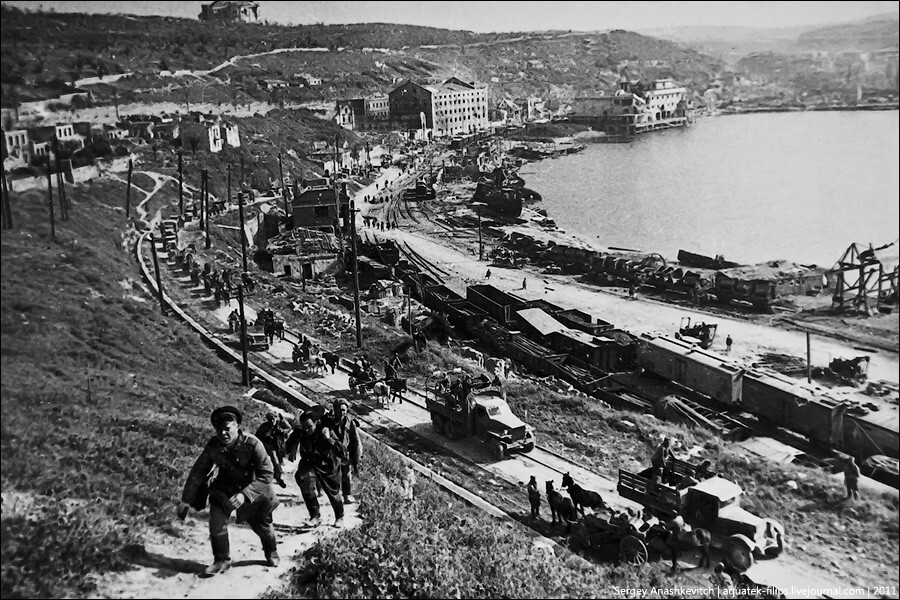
(755,187)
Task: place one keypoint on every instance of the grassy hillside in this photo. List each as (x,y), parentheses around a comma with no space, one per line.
(98,422)
(43,47)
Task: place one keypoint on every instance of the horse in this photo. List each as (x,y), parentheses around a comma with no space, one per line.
(332,360)
(676,539)
(317,364)
(297,357)
(382,392)
(560,507)
(398,386)
(278,327)
(582,497)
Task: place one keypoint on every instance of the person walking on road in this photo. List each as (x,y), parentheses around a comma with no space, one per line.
(320,463)
(242,484)
(344,428)
(728,343)
(534,498)
(273,437)
(851,478)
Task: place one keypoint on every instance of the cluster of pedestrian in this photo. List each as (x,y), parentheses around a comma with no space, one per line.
(217,283)
(236,471)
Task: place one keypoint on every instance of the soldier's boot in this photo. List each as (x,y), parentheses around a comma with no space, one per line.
(221,555)
(270,548)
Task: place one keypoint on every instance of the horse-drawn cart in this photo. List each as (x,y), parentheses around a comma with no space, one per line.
(599,534)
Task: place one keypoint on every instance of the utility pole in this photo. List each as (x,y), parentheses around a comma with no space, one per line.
(409,323)
(206,205)
(63,213)
(355,274)
(338,230)
(478,206)
(162,303)
(281,184)
(50,201)
(241,230)
(180,183)
(808,362)
(228,197)
(6,208)
(128,191)
(202,196)
(245,371)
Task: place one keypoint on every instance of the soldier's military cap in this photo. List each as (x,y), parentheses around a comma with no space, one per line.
(224,413)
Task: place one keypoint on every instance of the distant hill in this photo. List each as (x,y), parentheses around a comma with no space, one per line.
(733,43)
(876,33)
(362,58)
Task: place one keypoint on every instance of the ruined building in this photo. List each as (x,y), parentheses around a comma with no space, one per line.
(234,11)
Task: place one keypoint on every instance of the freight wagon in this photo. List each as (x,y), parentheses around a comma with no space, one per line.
(495,302)
(691,367)
(821,418)
(836,423)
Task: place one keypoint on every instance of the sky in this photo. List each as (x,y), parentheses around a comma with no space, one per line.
(485,16)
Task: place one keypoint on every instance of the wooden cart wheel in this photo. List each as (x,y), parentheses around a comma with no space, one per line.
(739,553)
(633,550)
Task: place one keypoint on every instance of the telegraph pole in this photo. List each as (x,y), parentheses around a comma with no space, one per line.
(180,184)
(50,201)
(241,230)
(6,209)
(202,196)
(206,205)
(808,362)
(162,303)
(478,206)
(281,184)
(355,274)
(245,371)
(337,194)
(63,213)
(228,197)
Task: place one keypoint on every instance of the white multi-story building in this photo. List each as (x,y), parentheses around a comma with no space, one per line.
(451,108)
(663,97)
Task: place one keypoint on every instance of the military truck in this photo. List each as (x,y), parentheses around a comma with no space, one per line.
(712,504)
(462,408)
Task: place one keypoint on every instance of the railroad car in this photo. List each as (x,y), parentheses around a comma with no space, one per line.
(495,302)
(691,367)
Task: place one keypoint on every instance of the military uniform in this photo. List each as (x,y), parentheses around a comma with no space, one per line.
(244,468)
(320,461)
(344,430)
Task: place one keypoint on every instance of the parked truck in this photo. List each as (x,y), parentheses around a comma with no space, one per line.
(460,409)
(712,504)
